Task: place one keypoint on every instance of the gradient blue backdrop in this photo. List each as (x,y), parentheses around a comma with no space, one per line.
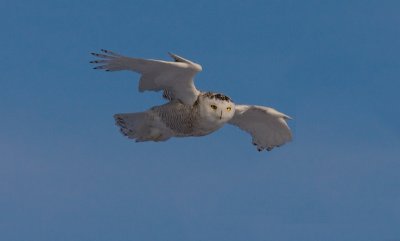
(66,173)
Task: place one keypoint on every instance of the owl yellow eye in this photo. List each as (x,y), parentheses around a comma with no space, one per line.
(214,107)
(228,108)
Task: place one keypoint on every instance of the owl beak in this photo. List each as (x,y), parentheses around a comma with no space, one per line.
(220,117)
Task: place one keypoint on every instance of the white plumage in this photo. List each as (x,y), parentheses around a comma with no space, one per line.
(189,112)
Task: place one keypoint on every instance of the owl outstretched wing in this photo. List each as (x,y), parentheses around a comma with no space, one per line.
(174,78)
(267,126)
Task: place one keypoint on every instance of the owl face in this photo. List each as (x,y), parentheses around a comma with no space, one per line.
(216,107)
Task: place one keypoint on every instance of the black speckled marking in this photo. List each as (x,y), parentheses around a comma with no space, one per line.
(217,96)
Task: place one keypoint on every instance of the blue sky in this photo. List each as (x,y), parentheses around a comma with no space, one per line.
(66,173)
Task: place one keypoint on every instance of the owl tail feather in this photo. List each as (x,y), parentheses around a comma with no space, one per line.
(139,126)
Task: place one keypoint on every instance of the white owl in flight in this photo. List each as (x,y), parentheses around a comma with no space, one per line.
(189,112)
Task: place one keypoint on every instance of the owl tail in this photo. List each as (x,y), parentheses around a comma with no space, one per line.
(139,126)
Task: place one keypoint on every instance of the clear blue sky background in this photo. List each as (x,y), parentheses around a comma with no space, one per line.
(66,173)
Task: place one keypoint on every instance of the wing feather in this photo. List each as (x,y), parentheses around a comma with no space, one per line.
(176,77)
(267,126)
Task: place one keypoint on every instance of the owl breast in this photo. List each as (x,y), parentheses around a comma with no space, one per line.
(184,120)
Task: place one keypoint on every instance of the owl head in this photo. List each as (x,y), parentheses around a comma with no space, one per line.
(216,107)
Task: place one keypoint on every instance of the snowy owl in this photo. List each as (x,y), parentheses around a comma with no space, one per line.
(189,112)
